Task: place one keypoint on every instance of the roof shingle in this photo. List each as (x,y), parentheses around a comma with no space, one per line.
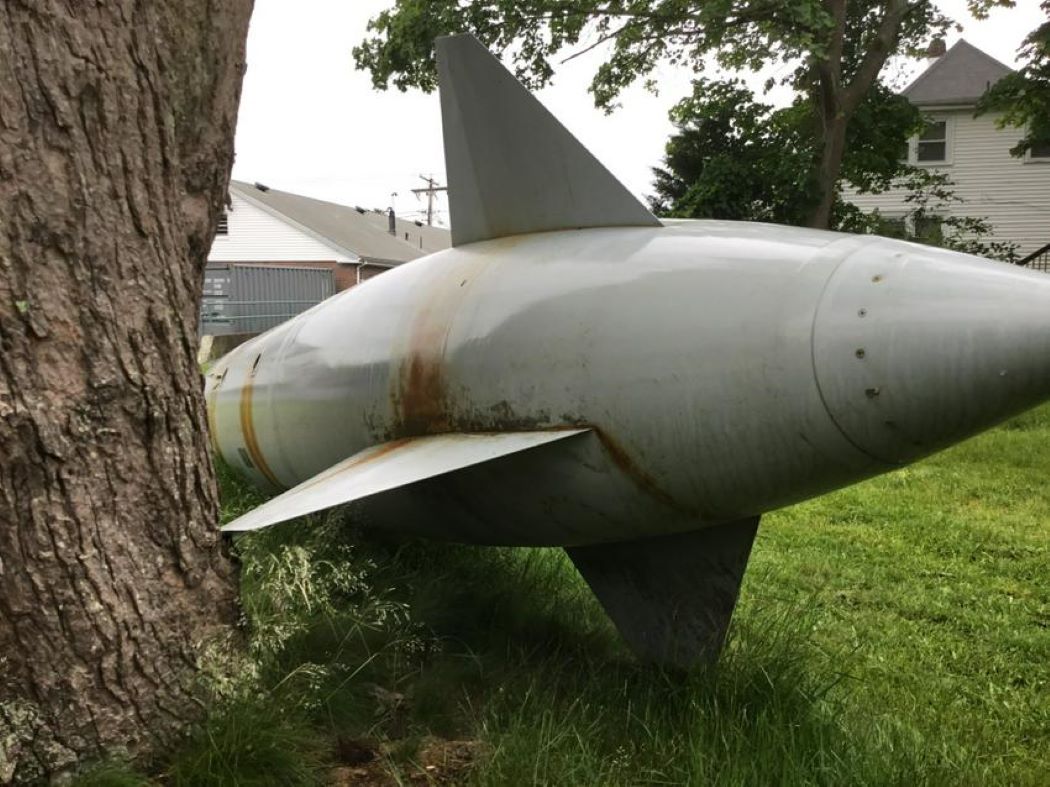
(362,233)
(959,76)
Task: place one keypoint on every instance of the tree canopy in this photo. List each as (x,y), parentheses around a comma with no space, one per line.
(734,157)
(1024,96)
(835,50)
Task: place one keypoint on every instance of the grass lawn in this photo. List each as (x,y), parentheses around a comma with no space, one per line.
(897,632)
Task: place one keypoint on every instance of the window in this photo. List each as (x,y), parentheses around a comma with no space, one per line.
(891,227)
(224,225)
(929,229)
(1040,151)
(932,144)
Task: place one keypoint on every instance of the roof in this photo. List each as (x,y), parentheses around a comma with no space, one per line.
(421,236)
(959,76)
(356,231)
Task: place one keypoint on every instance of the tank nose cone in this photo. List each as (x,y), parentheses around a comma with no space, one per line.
(915,348)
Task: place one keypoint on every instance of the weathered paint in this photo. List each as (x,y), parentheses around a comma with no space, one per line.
(390,466)
(248,425)
(715,362)
(721,370)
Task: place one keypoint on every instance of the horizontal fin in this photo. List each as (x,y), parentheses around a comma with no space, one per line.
(388,466)
(512,167)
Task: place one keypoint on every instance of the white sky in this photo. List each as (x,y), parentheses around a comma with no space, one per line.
(311,124)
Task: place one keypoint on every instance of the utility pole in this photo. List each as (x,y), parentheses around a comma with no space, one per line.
(431,190)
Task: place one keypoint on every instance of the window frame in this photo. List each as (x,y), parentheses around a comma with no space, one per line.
(949,143)
(1030,159)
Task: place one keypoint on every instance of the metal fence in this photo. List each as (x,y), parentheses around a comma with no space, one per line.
(254,298)
(1038,260)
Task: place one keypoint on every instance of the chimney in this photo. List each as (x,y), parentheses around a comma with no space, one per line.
(937,49)
(391,222)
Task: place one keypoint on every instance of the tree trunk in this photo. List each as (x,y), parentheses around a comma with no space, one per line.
(833,148)
(838,102)
(116,140)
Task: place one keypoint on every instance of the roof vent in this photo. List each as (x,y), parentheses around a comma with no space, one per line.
(419,223)
(359,209)
(261,186)
(937,48)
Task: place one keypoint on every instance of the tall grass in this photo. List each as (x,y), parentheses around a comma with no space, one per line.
(894,633)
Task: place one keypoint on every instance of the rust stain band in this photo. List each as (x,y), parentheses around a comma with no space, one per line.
(248,431)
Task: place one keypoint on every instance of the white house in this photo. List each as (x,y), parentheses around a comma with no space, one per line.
(264,226)
(1012,193)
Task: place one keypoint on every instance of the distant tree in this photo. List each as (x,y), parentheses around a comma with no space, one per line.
(835,48)
(735,158)
(116,140)
(1024,96)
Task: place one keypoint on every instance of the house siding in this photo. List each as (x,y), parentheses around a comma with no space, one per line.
(1012,194)
(255,235)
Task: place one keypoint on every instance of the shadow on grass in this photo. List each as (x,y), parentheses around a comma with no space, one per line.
(530,664)
(360,638)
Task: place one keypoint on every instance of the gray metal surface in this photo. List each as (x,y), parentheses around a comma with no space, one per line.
(713,360)
(242,298)
(512,167)
(671,598)
(389,466)
(688,348)
(915,348)
(715,370)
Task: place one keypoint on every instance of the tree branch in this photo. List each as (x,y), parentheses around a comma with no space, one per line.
(598,43)
(878,51)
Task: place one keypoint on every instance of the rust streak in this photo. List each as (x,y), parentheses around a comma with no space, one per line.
(424,393)
(248,432)
(354,461)
(623,460)
(423,400)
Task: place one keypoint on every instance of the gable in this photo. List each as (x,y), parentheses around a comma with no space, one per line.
(345,228)
(959,76)
(255,235)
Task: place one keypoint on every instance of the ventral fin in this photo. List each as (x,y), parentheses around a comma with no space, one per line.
(512,167)
(388,466)
(671,597)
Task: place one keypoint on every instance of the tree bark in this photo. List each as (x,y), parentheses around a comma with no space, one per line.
(116,141)
(833,148)
(838,102)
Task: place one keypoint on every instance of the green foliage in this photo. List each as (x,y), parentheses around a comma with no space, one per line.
(894,632)
(740,34)
(251,741)
(320,632)
(1024,96)
(110,773)
(770,165)
(735,158)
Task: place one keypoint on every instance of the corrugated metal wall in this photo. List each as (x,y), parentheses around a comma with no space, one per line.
(255,298)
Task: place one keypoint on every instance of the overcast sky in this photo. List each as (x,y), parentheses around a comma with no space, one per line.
(312,124)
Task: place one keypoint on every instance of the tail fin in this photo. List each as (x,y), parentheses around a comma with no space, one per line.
(512,167)
(671,597)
